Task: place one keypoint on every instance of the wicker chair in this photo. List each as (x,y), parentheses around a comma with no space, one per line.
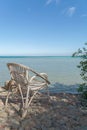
(27,86)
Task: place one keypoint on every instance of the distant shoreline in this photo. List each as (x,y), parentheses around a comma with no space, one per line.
(37,56)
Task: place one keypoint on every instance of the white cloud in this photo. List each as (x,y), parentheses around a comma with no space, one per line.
(51,1)
(71,11)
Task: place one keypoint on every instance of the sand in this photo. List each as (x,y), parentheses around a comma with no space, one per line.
(62,112)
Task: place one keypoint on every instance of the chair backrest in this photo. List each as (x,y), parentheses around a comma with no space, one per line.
(20,73)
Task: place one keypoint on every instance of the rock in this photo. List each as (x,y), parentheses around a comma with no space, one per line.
(64,100)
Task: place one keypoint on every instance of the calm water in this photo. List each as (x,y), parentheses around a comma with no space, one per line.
(62,71)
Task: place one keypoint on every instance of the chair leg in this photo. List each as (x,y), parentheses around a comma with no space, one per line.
(24,113)
(48,91)
(25,110)
(32,98)
(20,90)
(25,107)
(6,102)
(27,97)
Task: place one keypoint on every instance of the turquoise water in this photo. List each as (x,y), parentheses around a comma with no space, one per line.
(61,70)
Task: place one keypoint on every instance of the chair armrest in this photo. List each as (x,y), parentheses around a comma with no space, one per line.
(34,78)
(40,75)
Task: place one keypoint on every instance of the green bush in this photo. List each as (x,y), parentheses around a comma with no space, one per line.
(82,53)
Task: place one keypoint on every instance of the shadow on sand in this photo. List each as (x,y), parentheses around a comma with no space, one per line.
(61,112)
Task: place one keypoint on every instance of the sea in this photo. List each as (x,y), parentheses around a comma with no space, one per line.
(62,71)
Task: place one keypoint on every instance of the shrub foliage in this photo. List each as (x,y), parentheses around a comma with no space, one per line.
(83,67)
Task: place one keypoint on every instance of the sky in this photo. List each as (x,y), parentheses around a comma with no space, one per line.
(42,27)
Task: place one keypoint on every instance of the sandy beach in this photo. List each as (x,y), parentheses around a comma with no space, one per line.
(62,112)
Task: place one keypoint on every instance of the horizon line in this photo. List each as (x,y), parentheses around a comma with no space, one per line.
(31,55)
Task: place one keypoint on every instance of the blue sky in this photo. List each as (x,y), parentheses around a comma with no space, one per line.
(42,27)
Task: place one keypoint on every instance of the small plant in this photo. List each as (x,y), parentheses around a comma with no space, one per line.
(82,53)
